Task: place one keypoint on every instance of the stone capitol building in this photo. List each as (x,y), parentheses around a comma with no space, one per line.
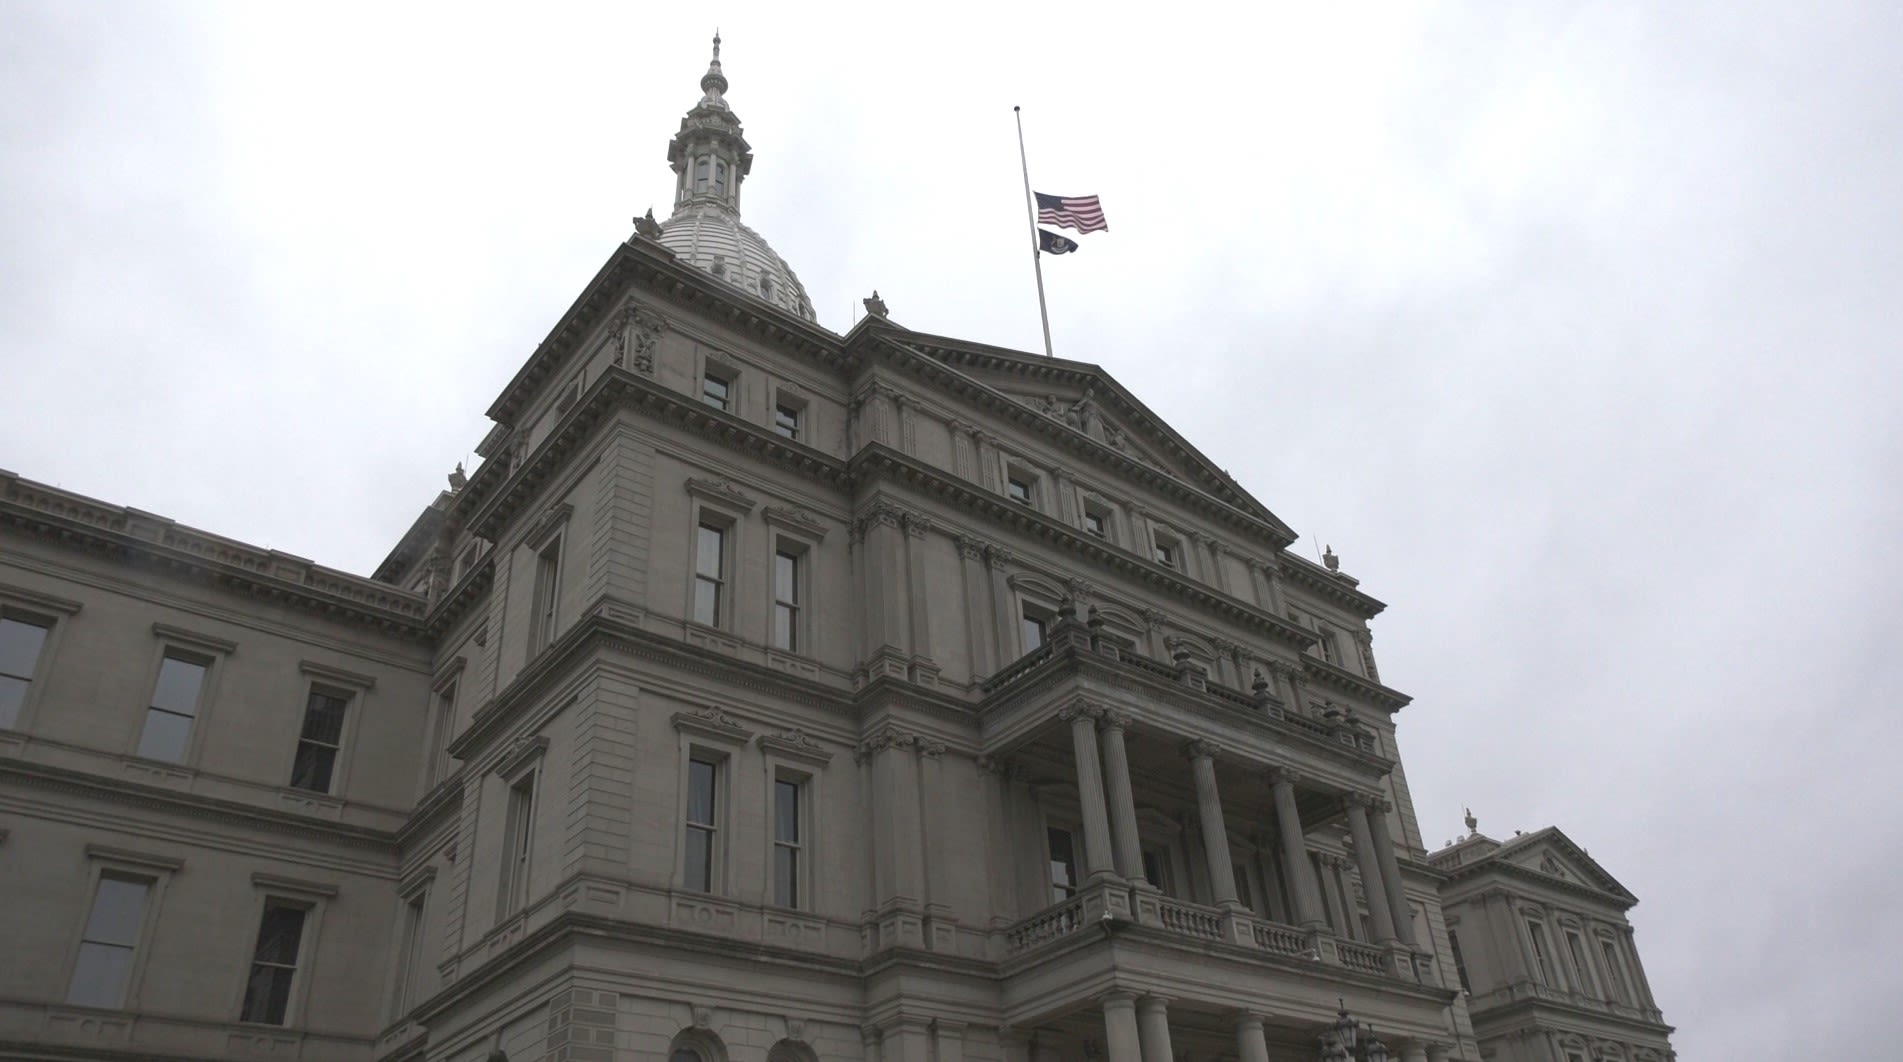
(766,695)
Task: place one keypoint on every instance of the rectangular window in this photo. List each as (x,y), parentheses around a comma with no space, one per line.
(716,391)
(1165,553)
(467,562)
(1019,490)
(1536,933)
(1063,863)
(548,571)
(1615,979)
(710,568)
(703,777)
(410,959)
(786,843)
(318,743)
(1244,894)
(1094,524)
(106,948)
(440,725)
(1460,964)
(518,845)
(1582,978)
(786,421)
(1033,629)
(786,601)
(1325,644)
(267,993)
(1156,870)
(168,722)
(20,644)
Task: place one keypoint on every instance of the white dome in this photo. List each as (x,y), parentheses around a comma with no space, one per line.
(712,238)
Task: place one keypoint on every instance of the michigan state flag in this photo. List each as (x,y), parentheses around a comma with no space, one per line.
(1052,243)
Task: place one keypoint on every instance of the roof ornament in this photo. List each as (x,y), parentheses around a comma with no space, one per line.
(713,82)
(1473,824)
(1330,561)
(647,227)
(458,479)
(875,306)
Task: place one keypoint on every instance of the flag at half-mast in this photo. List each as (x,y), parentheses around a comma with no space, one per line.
(1051,243)
(1080,212)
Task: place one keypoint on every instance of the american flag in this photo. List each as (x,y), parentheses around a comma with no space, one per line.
(1080,212)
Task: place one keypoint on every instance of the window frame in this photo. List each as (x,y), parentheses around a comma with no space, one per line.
(1460,960)
(1541,946)
(786,403)
(722,618)
(798,641)
(721,760)
(189,647)
(802,784)
(413,912)
(515,864)
(1164,542)
(334,781)
(312,897)
(107,862)
(726,376)
(1056,892)
(37,672)
(1034,615)
(545,589)
(445,694)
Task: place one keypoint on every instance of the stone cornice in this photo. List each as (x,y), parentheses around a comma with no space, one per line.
(194,806)
(876,461)
(1327,674)
(163,545)
(492,508)
(1508,868)
(1334,586)
(1541,1010)
(908,351)
(643,264)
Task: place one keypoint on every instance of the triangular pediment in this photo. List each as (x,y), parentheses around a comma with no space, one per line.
(1088,400)
(1551,854)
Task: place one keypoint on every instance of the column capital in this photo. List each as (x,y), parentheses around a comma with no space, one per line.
(1278,775)
(1248,1019)
(1117,999)
(1200,749)
(972,547)
(1072,713)
(1364,801)
(1112,719)
(1151,1001)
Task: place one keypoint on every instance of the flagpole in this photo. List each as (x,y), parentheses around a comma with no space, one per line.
(1030,216)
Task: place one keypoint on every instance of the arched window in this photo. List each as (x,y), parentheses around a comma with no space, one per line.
(685,1053)
(697,1045)
(720,178)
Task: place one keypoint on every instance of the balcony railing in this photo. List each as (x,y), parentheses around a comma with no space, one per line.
(1113,902)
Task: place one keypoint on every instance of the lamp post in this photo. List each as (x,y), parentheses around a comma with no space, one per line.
(1343,1041)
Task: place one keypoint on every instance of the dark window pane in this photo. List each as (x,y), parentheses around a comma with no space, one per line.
(178,685)
(1093,524)
(700,859)
(20,643)
(685,1054)
(786,812)
(707,602)
(100,976)
(324,718)
(166,736)
(786,890)
(1033,633)
(118,911)
(267,995)
(700,792)
(313,767)
(12,696)
(278,935)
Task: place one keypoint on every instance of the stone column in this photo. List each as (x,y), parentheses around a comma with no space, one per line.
(1380,911)
(1288,821)
(1004,623)
(1090,797)
(996,775)
(1153,1029)
(918,628)
(1277,603)
(1413,1052)
(1222,876)
(869,1042)
(1120,1028)
(1391,872)
(1251,1045)
(1123,806)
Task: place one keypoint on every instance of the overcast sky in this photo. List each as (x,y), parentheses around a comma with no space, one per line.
(1572,327)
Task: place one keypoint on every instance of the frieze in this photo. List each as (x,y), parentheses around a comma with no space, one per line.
(796,744)
(793,518)
(713,722)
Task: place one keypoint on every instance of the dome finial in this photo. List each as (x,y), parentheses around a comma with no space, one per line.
(714,83)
